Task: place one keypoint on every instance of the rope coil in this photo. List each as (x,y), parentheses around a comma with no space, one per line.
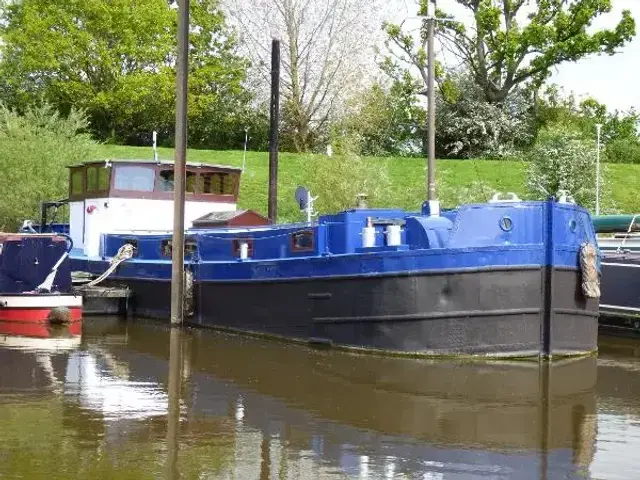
(589,269)
(125,252)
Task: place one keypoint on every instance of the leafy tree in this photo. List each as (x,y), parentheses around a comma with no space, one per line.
(116,60)
(619,129)
(469,126)
(384,121)
(34,149)
(516,42)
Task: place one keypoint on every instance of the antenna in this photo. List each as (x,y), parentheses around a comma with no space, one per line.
(305,201)
(155,148)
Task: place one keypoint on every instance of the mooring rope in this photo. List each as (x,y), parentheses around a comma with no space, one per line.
(124,253)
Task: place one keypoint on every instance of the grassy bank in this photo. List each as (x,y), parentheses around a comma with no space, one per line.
(406,176)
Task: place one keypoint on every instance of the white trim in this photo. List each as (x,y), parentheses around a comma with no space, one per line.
(40,301)
(629,265)
(616,307)
(43,344)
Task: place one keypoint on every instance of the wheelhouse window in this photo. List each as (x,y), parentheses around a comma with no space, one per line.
(302,241)
(134,178)
(165,181)
(217,183)
(92,179)
(210,183)
(190,186)
(104,178)
(77,182)
(228,184)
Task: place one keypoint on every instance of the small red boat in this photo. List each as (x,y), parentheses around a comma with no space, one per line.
(40,307)
(35,279)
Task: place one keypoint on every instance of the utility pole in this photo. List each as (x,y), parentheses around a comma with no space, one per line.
(431,58)
(179,167)
(599,129)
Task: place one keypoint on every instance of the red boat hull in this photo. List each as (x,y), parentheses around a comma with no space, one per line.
(40,308)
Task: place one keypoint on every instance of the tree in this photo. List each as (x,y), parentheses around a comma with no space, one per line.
(116,60)
(35,148)
(385,120)
(469,126)
(516,42)
(324,44)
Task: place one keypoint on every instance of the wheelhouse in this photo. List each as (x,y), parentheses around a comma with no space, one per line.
(137,195)
(152,180)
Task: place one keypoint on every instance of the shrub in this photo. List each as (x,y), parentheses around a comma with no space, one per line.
(562,159)
(338,179)
(35,148)
(622,150)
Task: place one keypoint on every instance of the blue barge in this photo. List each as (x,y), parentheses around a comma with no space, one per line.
(506,278)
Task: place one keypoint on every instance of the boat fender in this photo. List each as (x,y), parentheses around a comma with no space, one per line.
(59,315)
(589,270)
(188,305)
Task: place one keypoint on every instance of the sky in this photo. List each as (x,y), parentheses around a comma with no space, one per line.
(612,80)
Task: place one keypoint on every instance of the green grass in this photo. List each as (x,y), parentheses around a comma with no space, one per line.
(406,175)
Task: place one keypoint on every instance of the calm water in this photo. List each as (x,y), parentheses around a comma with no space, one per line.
(135,400)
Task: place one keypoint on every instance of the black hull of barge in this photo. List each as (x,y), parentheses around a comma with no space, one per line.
(509,312)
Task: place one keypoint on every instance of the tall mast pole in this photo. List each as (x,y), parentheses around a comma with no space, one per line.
(431,149)
(179,168)
(274,121)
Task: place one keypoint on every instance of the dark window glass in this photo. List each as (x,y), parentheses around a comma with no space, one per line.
(165,182)
(190,247)
(302,241)
(135,178)
(76,182)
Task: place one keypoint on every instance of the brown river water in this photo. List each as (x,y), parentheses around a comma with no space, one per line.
(138,400)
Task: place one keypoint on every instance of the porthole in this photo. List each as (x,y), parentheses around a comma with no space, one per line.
(573,226)
(506,224)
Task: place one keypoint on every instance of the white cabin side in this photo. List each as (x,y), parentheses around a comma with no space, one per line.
(125,196)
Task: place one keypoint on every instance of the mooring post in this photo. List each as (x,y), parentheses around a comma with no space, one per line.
(173,412)
(177,249)
(274,123)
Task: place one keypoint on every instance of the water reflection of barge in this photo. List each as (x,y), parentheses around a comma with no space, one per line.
(295,409)
(338,405)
